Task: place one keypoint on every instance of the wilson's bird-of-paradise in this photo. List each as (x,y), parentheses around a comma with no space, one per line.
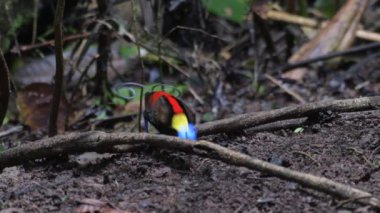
(169,115)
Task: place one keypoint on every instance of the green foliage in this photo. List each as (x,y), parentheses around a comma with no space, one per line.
(233,10)
(135,94)
(259,89)
(154,58)
(121,92)
(327,7)
(299,130)
(102,115)
(129,51)
(65,198)
(303,7)
(6,119)
(13,14)
(207,117)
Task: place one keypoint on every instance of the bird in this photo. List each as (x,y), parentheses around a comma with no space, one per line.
(169,115)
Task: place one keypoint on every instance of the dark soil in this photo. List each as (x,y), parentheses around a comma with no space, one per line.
(345,149)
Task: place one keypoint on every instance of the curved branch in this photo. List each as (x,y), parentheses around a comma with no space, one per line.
(245,121)
(102,142)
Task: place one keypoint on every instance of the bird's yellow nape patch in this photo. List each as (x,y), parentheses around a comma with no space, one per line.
(179,122)
(184,129)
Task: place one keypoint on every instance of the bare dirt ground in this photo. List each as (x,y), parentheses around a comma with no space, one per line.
(344,149)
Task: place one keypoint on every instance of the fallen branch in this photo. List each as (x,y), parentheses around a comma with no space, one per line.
(278,125)
(309,22)
(286,89)
(102,142)
(241,122)
(351,51)
(49,43)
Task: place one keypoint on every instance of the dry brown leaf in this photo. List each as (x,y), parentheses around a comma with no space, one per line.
(337,35)
(34,103)
(330,38)
(132,107)
(295,74)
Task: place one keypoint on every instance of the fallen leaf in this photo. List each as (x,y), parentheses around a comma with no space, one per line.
(337,35)
(132,107)
(91,158)
(34,103)
(295,74)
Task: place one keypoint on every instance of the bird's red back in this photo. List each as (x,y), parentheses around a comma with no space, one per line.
(155,96)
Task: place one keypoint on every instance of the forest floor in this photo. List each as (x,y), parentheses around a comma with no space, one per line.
(344,149)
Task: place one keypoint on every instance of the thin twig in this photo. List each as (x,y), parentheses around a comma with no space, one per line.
(11,130)
(142,74)
(277,125)
(354,50)
(244,121)
(82,76)
(309,22)
(286,89)
(5,87)
(196,95)
(191,29)
(350,200)
(24,48)
(35,19)
(167,61)
(59,67)
(103,142)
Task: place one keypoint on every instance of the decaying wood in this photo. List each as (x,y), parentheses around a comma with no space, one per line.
(102,142)
(337,30)
(338,34)
(241,122)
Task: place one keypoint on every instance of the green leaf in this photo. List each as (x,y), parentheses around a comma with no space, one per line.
(233,10)
(327,7)
(102,115)
(65,198)
(128,93)
(6,119)
(123,92)
(208,116)
(129,51)
(13,14)
(303,7)
(299,130)
(259,89)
